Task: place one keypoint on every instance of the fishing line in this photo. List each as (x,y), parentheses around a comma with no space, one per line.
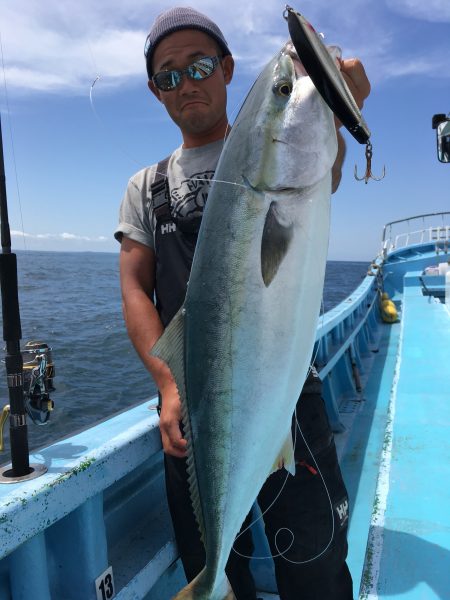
(235,111)
(106,129)
(97,116)
(127,154)
(8,112)
(99,119)
(261,516)
(93,59)
(281,553)
(319,343)
(218,181)
(303,562)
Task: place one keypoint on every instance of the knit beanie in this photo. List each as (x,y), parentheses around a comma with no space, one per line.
(176,19)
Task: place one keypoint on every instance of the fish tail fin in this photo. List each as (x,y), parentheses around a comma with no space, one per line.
(200,588)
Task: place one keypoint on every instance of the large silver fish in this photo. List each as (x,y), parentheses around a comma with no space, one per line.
(240,347)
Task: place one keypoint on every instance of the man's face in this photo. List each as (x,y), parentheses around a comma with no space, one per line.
(197,107)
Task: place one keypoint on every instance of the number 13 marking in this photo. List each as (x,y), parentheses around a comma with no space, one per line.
(104,585)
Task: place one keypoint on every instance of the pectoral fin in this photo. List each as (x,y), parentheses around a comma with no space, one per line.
(275,243)
(286,457)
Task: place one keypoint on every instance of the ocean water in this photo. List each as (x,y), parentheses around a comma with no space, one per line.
(72,302)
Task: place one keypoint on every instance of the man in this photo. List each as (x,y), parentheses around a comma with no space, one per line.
(189,66)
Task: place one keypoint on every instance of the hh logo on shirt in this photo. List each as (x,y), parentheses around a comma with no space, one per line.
(168,228)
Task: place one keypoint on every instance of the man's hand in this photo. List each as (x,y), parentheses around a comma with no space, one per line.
(355,76)
(169,422)
(137,274)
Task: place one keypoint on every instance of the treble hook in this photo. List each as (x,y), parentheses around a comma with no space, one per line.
(368,174)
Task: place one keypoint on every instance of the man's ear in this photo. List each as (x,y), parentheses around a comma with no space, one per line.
(228,68)
(152,87)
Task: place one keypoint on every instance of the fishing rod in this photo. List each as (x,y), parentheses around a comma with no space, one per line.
(28,388)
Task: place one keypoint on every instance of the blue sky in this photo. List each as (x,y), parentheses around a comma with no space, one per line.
(73,163)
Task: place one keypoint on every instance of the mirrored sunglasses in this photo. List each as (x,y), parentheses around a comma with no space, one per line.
(200,69)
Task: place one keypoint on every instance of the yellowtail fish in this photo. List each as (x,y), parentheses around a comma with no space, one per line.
(241,345)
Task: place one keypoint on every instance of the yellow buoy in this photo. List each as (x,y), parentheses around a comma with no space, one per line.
(388,309)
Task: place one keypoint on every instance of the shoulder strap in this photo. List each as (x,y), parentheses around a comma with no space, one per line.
(160,191)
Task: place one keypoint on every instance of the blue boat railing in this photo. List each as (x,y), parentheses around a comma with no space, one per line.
(102,502)
(426,228)
(345,342)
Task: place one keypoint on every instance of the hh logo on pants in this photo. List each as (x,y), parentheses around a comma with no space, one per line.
(341,510)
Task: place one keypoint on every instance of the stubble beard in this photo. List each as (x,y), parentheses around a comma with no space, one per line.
(198,123)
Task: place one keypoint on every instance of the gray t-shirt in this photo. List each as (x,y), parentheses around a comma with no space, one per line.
(190,171)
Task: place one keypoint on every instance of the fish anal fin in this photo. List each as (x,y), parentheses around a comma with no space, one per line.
(170,349)
(275,242)
(285,458)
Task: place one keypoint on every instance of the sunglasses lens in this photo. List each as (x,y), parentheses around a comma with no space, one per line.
(167,80)
(202,68)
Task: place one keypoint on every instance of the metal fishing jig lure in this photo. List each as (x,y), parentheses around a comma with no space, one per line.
(330,83)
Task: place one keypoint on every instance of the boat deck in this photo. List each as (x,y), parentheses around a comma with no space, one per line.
(409,538)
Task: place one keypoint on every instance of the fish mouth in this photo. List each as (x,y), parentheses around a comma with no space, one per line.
(289,50)
(247,183)
(261,189)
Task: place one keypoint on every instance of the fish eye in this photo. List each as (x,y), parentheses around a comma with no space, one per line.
(283,88)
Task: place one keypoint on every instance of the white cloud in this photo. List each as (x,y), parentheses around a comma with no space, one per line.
(73,69)
(29,79)
(424,66)
(57,236)
(435,11)
(60,46)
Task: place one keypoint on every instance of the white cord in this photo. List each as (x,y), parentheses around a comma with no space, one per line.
(279,552)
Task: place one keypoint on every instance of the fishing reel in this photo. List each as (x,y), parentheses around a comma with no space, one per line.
(38,374)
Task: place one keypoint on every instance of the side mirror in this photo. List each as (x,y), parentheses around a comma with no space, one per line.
(443,141)
(442,125)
